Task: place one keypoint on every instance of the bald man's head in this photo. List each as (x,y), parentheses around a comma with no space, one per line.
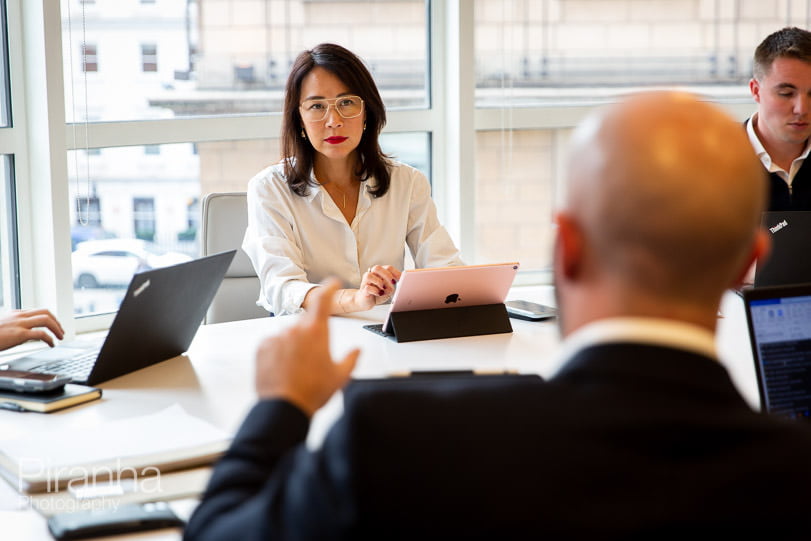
(668,193)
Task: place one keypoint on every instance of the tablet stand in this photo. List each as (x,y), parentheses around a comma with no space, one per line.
(450,322)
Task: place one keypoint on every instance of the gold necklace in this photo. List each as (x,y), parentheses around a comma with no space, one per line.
(343,193)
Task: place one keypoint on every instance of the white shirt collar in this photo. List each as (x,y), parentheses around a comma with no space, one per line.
(760,150)
(639,330)
(766,160)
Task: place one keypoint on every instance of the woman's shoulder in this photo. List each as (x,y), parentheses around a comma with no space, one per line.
(270,178)
(397,167)
(405,175)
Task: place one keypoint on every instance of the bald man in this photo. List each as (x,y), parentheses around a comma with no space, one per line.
(641,434)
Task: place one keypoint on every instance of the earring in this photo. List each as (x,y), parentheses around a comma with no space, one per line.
(303,135)
(364,126)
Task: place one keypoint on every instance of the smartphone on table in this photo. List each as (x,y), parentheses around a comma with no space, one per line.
(31,382)
(530,311)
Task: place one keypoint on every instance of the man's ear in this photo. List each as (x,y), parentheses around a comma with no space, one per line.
(759,253)
(754,89)
(568,247)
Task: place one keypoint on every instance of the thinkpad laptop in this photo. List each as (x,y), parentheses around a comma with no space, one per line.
(157,320)
(779,320)
(789,261)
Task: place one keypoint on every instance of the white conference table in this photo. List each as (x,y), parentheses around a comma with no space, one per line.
(214,380)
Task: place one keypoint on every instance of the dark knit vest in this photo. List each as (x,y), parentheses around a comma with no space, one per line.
(799,198)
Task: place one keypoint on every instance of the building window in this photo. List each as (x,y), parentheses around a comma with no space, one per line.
(192,221)
(143,214)
(193,212)
(90,62)
(149,57)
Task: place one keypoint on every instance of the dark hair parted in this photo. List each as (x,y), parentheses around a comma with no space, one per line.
(789,42)
(298,154)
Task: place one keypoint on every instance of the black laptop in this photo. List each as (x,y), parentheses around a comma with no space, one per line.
(157,320)
(779,320)
(790,259)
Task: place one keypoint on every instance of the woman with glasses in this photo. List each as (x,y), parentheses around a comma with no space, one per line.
(336,205)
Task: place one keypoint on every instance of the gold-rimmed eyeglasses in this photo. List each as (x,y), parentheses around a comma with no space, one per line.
(315,110)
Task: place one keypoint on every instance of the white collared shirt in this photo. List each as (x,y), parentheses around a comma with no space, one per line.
(638,330)
(295,242)
(766,160)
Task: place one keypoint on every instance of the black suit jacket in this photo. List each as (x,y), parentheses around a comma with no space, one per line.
(627,441)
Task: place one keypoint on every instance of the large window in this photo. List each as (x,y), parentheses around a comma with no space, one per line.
(168,100)
(540,65)
(217,57)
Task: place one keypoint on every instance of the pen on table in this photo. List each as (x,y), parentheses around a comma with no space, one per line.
(475,372)
(12,406)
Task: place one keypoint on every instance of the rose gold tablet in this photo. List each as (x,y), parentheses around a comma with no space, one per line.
(448,287)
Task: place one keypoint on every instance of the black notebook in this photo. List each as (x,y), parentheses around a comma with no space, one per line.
(67,396)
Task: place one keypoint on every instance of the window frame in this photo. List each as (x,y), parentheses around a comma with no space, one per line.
(10,251)
(8,201)
(11,147)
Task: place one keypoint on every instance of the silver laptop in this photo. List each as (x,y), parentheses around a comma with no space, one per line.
(157,320)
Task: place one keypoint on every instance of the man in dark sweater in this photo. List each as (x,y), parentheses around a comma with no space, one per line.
(779,130)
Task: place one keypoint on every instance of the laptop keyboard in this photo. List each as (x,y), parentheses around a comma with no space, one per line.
(77,367)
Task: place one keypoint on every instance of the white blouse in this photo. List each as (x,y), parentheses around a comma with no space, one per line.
(296,242)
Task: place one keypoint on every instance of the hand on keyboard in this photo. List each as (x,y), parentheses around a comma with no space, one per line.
(23,325)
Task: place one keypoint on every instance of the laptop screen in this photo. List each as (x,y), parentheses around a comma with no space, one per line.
(780,330)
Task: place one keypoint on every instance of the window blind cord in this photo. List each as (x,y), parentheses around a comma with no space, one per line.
(83,219)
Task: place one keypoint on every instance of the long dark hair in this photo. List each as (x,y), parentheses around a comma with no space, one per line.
(353,73)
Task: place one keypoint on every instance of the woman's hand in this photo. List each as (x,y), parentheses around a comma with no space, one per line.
(378,283)
(376,287)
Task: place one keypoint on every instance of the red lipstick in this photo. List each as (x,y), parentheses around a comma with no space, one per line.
(334,140)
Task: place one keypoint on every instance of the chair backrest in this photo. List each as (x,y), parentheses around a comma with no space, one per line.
(225,217)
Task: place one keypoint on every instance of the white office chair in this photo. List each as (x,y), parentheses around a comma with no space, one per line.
(225,217)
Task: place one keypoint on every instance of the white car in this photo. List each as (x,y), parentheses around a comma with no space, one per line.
(112,262)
